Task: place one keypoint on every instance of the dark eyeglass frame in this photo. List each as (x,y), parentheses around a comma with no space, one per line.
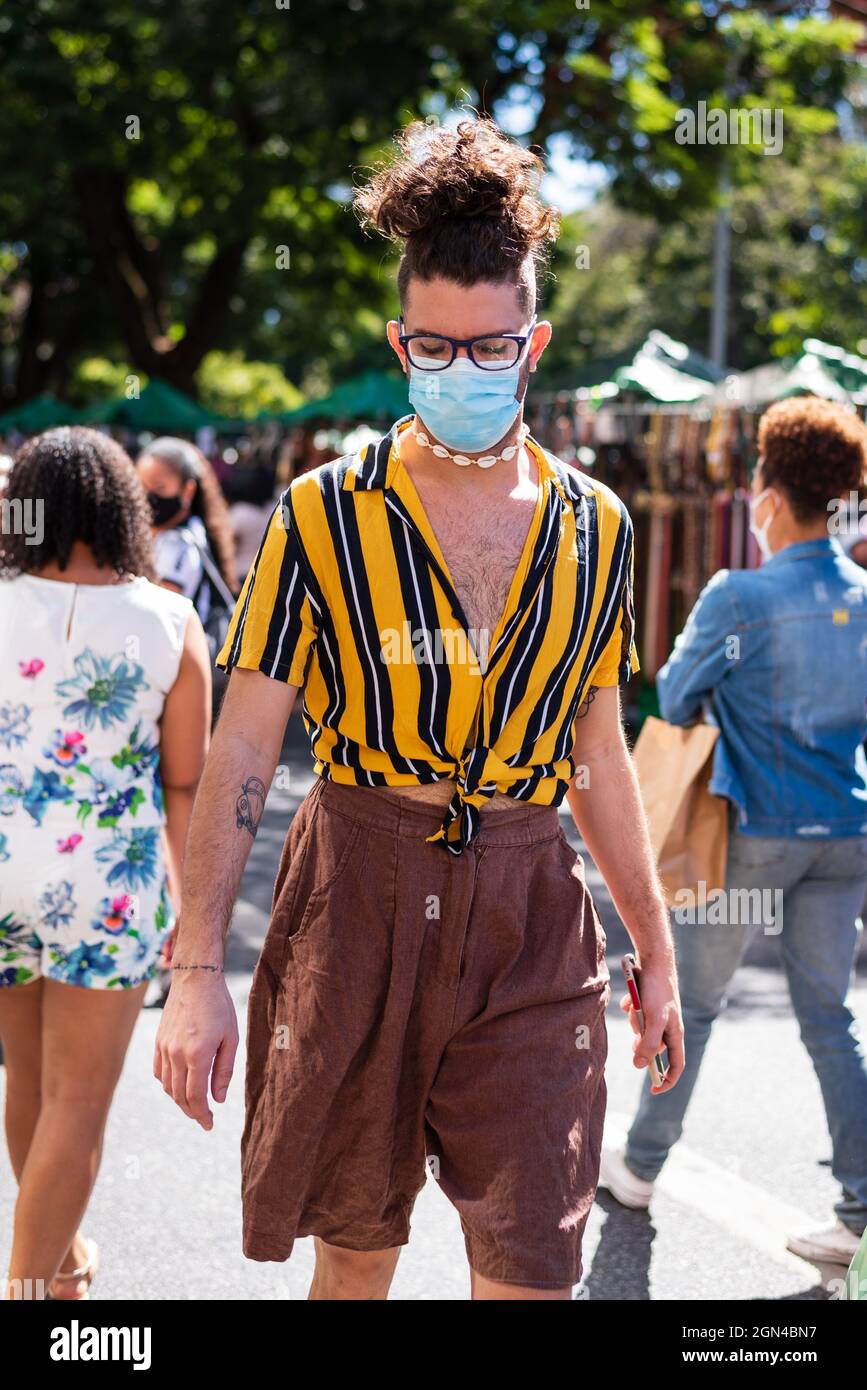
(522,339)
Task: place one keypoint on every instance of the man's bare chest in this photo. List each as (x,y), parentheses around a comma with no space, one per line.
(482,548)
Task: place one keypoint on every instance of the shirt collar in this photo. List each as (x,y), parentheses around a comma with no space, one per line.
(374,467)
(806,550)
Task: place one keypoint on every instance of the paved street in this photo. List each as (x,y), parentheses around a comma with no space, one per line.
(752,1165)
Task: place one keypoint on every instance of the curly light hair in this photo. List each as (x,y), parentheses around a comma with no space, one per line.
(813,450)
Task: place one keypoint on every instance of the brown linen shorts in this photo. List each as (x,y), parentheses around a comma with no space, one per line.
(416,1010)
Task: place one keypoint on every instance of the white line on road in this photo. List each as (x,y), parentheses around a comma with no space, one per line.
(740,1207)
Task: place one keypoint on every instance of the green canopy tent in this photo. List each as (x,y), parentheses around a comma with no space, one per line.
(847,369)
(160,407)
(809,377)
(370,396)
(38,414)
(655,377)
(678,355)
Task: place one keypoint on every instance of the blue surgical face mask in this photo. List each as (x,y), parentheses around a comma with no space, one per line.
(465,407)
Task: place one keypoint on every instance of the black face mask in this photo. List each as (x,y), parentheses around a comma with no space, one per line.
(163,508)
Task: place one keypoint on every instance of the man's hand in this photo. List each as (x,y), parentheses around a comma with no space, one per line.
(663,1024)
(198,1032)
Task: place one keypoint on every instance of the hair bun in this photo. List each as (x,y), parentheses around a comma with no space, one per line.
(472,172)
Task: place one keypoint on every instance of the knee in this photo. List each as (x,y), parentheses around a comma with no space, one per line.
(828,1025)
(77,1108)
(342,1273)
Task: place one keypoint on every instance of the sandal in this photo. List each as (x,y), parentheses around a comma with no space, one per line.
(86,1273)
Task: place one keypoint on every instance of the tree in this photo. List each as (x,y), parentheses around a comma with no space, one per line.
(177,175)
(799,267)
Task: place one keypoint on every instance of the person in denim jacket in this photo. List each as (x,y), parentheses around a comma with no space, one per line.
(777,658)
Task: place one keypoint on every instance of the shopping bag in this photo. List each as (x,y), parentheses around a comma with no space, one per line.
(688,824)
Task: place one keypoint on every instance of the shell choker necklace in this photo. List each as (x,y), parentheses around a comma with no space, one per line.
(462,460)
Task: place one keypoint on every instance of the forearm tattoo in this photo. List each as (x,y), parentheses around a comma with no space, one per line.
(250,805)
(584,707)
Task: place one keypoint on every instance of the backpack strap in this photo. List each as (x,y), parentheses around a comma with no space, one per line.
(210,569)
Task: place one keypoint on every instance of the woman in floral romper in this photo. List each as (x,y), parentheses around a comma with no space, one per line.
(104,718)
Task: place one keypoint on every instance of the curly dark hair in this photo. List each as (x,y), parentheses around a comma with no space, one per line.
(89,491)
(208,503)
(465,203)
(814,451)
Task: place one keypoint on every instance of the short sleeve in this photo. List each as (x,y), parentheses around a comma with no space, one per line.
(274,625)
(619,660)
(177,561)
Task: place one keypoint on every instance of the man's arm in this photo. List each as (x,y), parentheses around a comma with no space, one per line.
(607,810)
(198,1030)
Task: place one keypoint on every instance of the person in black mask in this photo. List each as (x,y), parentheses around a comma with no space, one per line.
(194,554)
(194,551)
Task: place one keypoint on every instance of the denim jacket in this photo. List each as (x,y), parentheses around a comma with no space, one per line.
(777,657)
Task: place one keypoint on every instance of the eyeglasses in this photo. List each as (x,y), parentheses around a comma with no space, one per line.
(433,352)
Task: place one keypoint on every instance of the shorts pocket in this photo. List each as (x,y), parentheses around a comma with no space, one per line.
(345,918)
(573,860)
(587,919)
(334,840)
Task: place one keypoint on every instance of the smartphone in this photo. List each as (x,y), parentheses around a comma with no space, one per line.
(658,1064)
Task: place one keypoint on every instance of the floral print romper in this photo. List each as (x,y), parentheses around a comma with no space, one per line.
(85,672)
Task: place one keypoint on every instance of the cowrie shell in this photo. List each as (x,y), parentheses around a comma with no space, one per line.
(423,439)
(462,460)
(440,452)
(510,452)
(488,461)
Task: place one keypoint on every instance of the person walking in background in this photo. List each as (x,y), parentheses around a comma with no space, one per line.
(104,704)
(780,656)
(194,550)
(251,494)
(190,520)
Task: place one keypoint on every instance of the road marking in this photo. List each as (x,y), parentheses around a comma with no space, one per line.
(740,1207)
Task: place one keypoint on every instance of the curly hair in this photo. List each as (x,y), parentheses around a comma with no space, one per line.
(89,491)
(814,451)
(188,461)
(465,203)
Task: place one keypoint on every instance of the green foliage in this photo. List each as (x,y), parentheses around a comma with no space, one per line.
(233,387)
(157,156)
(799,266)
(97,379)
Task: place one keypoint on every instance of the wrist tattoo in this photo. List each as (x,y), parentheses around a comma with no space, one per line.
(591,693)
(197,967)
(250,805)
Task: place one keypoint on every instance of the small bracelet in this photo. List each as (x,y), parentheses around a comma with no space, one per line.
(197,967)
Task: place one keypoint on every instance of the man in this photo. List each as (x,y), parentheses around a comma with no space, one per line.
(434,980)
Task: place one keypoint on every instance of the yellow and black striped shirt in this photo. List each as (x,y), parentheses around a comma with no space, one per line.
(350,596)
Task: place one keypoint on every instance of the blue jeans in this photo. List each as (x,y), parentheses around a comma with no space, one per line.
(821,887)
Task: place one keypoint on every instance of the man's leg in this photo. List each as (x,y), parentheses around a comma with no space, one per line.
(819,942)
(341,1275)
(487,1290)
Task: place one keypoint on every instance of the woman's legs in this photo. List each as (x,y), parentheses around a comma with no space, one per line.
(21,1033)
(84,1037)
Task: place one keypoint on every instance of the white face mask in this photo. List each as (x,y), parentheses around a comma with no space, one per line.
(761,532)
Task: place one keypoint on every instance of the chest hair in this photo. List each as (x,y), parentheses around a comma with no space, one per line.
(482,548)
